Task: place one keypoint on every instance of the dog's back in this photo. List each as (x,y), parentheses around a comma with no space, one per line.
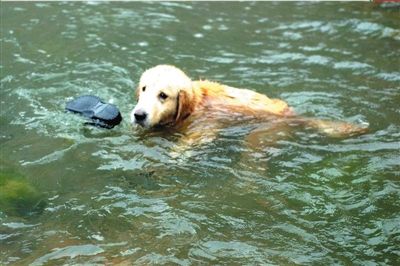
(220,97)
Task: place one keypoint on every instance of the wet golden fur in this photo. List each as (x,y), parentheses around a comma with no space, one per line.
(197,106)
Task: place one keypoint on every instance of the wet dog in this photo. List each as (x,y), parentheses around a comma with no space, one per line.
(167,97)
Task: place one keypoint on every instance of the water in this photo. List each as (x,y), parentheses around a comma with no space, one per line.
(117,196)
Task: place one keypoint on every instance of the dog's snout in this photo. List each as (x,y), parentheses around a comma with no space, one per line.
(140,115)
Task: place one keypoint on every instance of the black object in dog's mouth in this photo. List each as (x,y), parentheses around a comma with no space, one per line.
(102,114)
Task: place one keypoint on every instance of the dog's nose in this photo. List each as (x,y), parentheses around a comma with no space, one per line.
(140,115)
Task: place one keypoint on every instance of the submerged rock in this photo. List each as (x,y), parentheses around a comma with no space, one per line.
(17,196)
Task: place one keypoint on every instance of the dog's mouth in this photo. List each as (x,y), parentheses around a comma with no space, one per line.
(148,124)
(158,126)
(141,124)
(145,125)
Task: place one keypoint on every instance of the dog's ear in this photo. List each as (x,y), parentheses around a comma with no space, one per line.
(137,92)
(185,106)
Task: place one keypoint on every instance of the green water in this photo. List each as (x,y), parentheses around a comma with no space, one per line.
(116,196)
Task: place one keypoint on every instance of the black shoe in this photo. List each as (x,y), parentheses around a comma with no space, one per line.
(102,114)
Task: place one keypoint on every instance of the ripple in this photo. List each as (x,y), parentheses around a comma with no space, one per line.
(154,258)
(317,59)
(281,58)
(370,146)
(116,162)
(15,225)
(199,35)
(132,204)
(394,76)
(20,59)
(321,104)
(371,28)
(351,65)
(225,249)
(292,35)
(69,252)
(177,4)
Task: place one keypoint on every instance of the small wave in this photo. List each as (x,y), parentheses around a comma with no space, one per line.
(68,252)
(393,76)
(225,249)
(351,65)
(317,59)
(280,58)
(374,29)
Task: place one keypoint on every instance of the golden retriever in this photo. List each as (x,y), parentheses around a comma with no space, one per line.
(167,97)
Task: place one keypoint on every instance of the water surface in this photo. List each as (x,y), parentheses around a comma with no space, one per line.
(118,196)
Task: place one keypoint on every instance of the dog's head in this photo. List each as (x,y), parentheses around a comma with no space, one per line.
(164,94)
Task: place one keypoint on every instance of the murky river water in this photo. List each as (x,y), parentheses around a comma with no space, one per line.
(116,196)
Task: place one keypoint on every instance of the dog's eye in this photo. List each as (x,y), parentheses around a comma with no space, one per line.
(144,88)
(163,96)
